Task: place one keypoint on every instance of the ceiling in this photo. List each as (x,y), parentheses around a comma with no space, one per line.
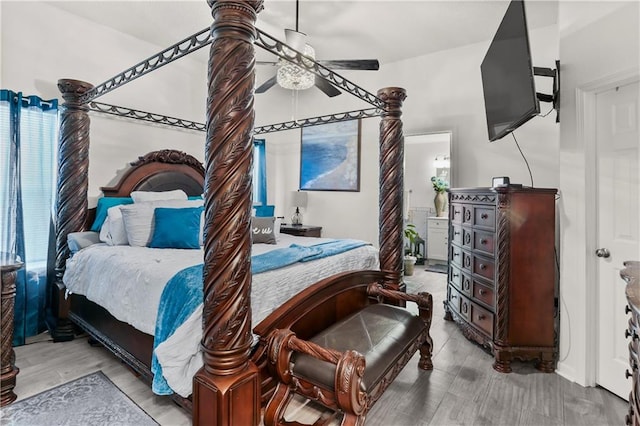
(360,29)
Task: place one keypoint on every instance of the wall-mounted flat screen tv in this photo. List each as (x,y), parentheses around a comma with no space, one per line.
(507,75)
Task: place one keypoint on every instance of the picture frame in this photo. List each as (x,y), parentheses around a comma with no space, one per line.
(330,157)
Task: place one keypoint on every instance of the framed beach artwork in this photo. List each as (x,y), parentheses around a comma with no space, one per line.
(330,157)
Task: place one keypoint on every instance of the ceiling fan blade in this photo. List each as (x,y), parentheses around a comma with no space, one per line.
(352,64)
(327,87)
(267,85)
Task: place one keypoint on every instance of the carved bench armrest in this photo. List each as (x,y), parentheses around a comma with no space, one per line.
(349,367)
(423,300)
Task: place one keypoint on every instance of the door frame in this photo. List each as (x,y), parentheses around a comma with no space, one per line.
(586,123)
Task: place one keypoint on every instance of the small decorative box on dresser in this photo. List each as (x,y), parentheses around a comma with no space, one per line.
(301,230)
(501,282)
(437,239)
(631,274)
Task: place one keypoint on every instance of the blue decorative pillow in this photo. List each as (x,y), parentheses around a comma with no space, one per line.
(264,211)
(176,228)
(104,204)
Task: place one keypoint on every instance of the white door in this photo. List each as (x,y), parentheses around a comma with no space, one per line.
(618,177)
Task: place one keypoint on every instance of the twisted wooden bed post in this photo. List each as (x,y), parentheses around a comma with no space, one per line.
(71,200)
(391,187)
(227,389)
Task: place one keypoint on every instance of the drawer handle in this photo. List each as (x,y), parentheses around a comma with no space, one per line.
(483,241)
(456,275)
(627,374)
(453,296)
(484,216)
(456,212)
(456,254)
(481,317)
(483,266)
(456,233)
(482,292)
(627,309)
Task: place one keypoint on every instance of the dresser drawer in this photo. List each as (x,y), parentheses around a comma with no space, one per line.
(455,255)
(437,223)
(484,242)
(467,238)
(467,215)
(459,304)
(482,319)
(484,217)
(453,299)
(456,234)
(460,281)
(633,334)
(484,294)
(455,214)
(483,267)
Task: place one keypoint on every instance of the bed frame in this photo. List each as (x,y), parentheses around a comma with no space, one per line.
(227,390)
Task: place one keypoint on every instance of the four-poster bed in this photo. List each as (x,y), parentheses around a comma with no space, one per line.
(227,390)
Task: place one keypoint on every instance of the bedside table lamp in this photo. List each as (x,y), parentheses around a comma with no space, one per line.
(299,200)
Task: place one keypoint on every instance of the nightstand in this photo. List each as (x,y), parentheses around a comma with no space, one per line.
(9,264)
(301,230)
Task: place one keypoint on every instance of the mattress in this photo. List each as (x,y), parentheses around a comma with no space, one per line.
(128,282)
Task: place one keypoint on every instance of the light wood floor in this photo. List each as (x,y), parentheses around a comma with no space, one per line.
(462,389)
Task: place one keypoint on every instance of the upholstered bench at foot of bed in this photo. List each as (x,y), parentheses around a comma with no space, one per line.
(348,366)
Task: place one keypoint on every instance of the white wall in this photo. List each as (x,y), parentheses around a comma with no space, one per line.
(61,45)
(599,41)
(444,94)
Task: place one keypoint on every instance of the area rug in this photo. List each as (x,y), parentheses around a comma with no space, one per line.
(441,268)
(89,400)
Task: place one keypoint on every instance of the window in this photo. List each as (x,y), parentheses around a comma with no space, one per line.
(28,147)
(259,173)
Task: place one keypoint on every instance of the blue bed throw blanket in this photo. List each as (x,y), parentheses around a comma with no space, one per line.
(183,293)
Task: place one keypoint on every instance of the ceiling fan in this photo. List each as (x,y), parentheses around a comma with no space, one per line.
(291,76)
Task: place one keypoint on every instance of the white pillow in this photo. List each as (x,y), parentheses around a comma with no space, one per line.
(113,232)
(76,241)
(276,226)
(144,196)
(138,218)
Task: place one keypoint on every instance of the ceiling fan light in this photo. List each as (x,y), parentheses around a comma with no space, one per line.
(295,39)
(293,77)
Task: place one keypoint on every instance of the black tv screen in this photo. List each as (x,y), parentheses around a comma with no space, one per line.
(507,75)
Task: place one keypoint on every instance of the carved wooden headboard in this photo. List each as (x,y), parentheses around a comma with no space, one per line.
(163,170)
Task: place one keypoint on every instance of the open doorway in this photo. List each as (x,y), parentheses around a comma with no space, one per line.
(427,155)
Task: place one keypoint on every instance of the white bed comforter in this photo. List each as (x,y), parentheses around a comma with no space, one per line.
(128,282)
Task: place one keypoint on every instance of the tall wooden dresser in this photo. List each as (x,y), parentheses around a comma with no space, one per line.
(501,279)
(631,274)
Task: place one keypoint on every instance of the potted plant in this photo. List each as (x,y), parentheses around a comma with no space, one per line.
(410,258)
(440,201)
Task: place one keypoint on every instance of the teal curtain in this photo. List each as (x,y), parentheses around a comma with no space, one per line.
(259,173)
(28,139)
